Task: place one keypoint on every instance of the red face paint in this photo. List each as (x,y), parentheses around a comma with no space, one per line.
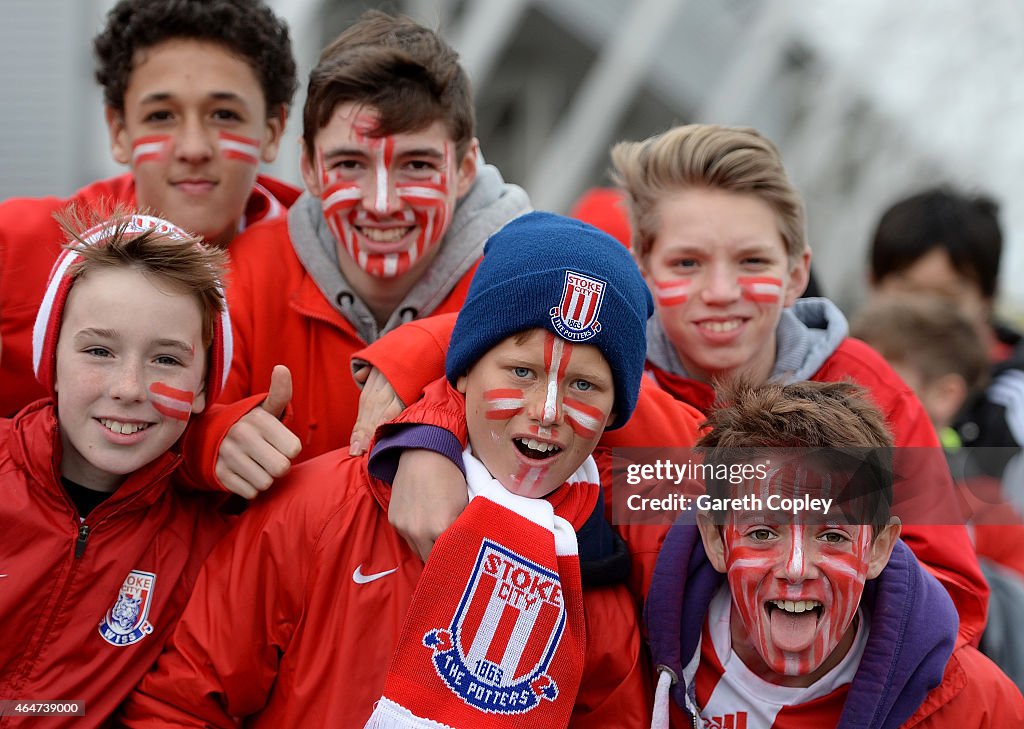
(503,403)
(151,148)
(237,147)
(796,587)
(171,402)
(761,289)
(425,204)
(673,292)
(585,420)
(528,480)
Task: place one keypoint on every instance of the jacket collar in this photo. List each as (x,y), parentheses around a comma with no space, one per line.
(36,449)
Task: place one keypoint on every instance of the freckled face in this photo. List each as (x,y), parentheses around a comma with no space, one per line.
(130,371)
(536,406)
(720,276)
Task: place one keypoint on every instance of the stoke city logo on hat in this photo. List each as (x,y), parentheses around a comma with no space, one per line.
(575,318)
(504,633)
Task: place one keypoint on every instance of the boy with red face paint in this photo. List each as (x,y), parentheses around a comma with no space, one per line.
(299,613)
(99,551)
(391,226)
(760,620)
(719,234)
(196,95)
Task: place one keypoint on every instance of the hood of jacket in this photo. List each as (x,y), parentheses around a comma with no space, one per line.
(913,630)
(489,204)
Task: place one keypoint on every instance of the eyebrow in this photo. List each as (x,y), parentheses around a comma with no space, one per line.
(176,344)
(161,96)
(95,332)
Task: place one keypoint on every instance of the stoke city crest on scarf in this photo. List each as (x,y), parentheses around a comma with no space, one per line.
(505,630)
(127,622)
(575,318)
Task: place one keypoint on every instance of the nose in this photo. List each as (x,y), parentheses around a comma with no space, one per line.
(544,404)
(382,197)
(795,565)
(194,143)
(720,286)
(128,384)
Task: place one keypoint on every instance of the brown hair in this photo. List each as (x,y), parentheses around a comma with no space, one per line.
(734,159)
(405,71)
(834,425)
(925,331)
(183,264)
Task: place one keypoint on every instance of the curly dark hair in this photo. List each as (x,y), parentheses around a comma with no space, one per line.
(248,28)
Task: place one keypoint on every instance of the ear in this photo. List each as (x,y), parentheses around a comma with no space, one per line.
(120,144)
(199,401)
(711,535)
(943,397)
(799,275)
(272,134)
(310,174)
(460,384)
(612,416)
(882,546)
(466,173)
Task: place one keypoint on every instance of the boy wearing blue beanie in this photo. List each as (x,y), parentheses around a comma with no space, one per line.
(497,629)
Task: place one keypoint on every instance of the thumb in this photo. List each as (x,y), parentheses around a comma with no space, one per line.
(280,393)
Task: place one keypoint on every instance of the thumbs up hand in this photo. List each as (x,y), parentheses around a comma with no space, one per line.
(259,447)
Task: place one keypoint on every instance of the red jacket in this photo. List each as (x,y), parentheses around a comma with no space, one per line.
(279,316)
(945,550)
(30,240)
(64,580)
(279,629)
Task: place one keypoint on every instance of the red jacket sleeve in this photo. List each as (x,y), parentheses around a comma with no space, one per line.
(223,658)
(943,547)
(411,356)
(202,444)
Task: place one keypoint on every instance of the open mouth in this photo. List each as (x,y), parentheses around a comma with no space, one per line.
(122,428)
(793,624)
(384,235)
(535,449)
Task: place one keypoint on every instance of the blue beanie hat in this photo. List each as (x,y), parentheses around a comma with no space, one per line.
(550,272)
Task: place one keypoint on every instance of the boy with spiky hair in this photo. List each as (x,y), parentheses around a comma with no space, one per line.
(99,551)
(502,627)
(196,95)
(761,620)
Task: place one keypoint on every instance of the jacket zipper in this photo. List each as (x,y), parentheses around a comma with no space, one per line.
(83,534)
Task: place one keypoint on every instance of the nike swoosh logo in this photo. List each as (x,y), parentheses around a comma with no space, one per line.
(360,579)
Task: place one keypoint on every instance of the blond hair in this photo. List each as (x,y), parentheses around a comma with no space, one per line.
(733,159)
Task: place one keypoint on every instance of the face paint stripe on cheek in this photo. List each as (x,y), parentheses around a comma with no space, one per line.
(760,289)
(151,148)
(585,420)
(170,401)
(672,293)
(237,147)
(503,403)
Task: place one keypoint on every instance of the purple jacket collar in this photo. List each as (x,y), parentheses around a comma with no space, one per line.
(913,629)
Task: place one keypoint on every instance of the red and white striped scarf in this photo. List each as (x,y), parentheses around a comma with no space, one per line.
(494,636)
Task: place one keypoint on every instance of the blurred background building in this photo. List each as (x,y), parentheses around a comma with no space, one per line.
(868,101)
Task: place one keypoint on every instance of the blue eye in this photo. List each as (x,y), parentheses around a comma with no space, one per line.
(521,372)
(583,385)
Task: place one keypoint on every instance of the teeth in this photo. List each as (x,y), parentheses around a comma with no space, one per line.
(123,428)
(537,445)
(384,235)
(797,606)
(721,326)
